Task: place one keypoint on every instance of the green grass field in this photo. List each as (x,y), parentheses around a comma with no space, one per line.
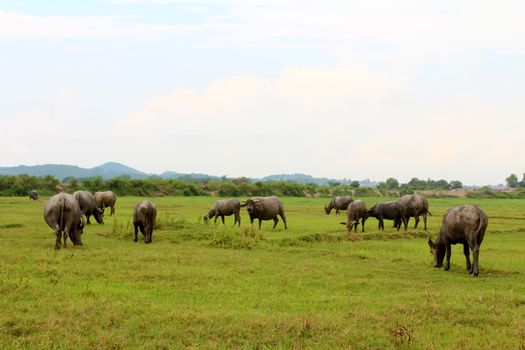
(215,286)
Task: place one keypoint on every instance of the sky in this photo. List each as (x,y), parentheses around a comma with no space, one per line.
(339,89)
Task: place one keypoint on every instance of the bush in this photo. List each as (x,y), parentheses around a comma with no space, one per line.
(246,237)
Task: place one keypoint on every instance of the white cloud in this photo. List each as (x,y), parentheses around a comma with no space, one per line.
(252,119)
(336,122)
(365,26)
(360,117)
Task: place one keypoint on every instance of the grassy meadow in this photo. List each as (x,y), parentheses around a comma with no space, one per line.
(213,286)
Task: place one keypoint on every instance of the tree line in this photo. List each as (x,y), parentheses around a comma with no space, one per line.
(20,185)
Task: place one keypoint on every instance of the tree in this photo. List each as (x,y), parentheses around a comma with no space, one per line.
(417,183)
(334,183)
(391,183)
(354,184)
(512,181)
(455,184)
(441,184)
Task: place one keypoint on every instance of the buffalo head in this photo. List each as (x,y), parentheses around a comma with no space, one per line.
(437,251)
(99,215)
(371,211)
(254,206)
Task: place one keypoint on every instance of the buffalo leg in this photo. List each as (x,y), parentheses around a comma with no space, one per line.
(148,231)
(283,217)
(363,224)
(275,221)
(136,232)
(475,252)
(58,235)
(425,220)
(417,220)
(237,219)
(222,218)
(448,252)
(143,231)
(466,251)
(381,224)
(112,211)
(336,211)
(260,222)
(216,217)
(355,225)
(405,222)
(64,237)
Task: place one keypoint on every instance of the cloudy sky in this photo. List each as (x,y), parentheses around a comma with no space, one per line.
(353,89)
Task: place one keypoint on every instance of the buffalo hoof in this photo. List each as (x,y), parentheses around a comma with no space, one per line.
(135,240)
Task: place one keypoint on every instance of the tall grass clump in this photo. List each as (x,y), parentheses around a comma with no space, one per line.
(120,230)
(246,237)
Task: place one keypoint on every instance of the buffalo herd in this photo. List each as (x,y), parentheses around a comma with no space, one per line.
(466,224)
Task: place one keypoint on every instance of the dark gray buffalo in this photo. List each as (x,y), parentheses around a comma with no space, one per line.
(465,225)
(33,195)
(106,199)
(415,205)
(338,203)
(225,207)
(390,211)
(265,208)
(88,206)
(144,217)
(62,213)
(356,210)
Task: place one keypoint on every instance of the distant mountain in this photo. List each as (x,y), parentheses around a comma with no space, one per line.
(303,179)
(113,170)
(61,171)
(192,176)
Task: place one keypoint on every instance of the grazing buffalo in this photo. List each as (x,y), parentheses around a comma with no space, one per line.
(356,210)
(144,217)
(106,199)
(33,195)
(225,207)
(390,211)
(62,213)
(265,208)
(338,203)
(88,206)
(466,225)
(415,205)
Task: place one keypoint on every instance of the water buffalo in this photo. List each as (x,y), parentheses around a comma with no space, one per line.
(62,213)
(390,211)
(225,207)
(88,206)
(338,203)
(356,210)
(33,195)
(265,208)
(466,225)
(106,199)
(415,205)
(144,217)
